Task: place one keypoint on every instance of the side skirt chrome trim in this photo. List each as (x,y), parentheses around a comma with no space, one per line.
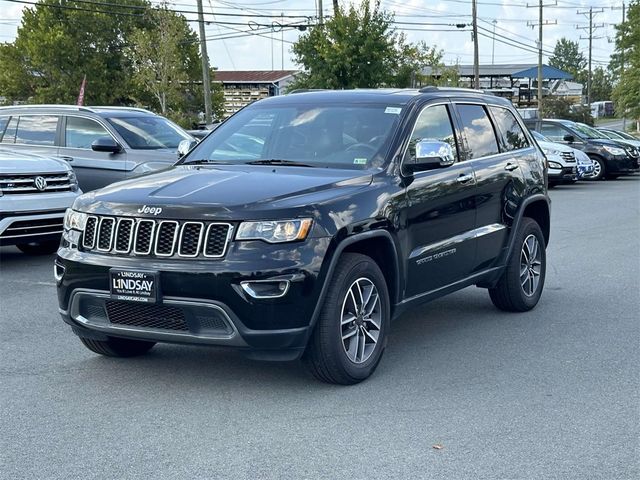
(463,237)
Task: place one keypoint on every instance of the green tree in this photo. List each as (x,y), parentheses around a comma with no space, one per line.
(601,85)
(55,47)
(568,57)
(413,58)
(626,93)
(356,48)
(561,107)
(165,58)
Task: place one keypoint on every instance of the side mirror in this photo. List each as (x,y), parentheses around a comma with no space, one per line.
(106,144)
(569,138)
(431,154)
(184,146)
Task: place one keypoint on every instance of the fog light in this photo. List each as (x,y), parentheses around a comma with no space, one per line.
(266,288)
(58,272)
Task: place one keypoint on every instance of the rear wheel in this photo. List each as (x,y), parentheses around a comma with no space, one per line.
(351,333)
(39,248)
(117,347)
(521,284)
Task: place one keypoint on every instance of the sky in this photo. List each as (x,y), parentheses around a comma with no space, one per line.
(432,21)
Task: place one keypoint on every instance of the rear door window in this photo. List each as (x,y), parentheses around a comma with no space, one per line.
(37,130)
(512,133)
(10,131)
(82,132)
(478,130)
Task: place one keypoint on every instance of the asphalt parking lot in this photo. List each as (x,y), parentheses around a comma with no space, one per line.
(553,393)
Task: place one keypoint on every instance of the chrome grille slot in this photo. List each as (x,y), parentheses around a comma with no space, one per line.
(124,235)
(190,237)
(26,183)
(105,233)
(158,238)
(89,236)
(216,239)
(144,237)
(166,238)
(569,156)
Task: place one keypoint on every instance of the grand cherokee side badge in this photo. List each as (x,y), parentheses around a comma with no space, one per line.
(151,210)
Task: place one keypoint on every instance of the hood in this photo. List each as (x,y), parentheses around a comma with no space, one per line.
(581,157)
(19,162)
(555,146)
(609,142)
(224,192)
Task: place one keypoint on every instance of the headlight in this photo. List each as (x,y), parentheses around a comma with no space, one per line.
(275,231)
(73,181)
(74,220)
(614,150)
(555,165)
(550,151)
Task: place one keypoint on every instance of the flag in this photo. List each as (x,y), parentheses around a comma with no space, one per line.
(81,94)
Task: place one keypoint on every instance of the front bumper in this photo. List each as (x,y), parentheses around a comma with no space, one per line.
(202,301)
(565,174)
(623,165)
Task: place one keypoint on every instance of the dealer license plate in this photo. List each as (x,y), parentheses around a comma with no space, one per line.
(134,285)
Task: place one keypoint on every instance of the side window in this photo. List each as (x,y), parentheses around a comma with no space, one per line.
(433,123)
(481,138)
(10,131)
(514,137)
(37,129)
(82,132)
(553,132)
(3,125)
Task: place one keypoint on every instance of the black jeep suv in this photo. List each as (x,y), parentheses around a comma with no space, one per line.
(305,223)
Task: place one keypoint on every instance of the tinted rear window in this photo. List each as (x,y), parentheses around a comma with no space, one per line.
(37,130)
(481,138)
(514,137)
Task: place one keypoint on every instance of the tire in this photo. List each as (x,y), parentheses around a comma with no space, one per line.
(599,169)
(39,248)
(512,293)
(331,355)
(117,347)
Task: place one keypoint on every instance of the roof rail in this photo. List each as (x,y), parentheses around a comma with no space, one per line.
(135,109)
(305,90)
(52,105)
(431,88)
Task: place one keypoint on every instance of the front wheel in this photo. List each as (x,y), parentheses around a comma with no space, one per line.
(599,169)
(39,248)
(521,284)
(351,332)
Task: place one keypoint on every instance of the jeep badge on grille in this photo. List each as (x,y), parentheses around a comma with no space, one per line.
(151,210)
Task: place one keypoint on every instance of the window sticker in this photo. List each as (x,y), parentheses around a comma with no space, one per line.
(360,161)
(393,110)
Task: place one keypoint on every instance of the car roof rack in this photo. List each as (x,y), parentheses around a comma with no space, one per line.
(134,109)
(46,105)
(306,90)
(431,88)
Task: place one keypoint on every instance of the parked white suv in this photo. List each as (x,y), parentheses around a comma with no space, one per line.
(561,160)
(35,191)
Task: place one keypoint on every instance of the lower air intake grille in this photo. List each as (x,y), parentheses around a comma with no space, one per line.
(146,316)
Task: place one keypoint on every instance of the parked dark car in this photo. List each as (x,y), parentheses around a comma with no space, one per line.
(611,157)
(102,144)
(621,136)
(357,206)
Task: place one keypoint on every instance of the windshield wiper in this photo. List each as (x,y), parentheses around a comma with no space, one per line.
(278,161)
(206,161)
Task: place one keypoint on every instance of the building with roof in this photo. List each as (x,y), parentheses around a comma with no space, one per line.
(516,81)
(242,87)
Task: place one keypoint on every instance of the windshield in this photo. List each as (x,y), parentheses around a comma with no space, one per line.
(341,136)
(587,131)
(626,136)
(539,137)
(149,132)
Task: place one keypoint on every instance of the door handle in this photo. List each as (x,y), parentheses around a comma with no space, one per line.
(464,178)
(67,159)
(511,166)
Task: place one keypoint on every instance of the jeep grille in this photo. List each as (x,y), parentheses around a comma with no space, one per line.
(158,238)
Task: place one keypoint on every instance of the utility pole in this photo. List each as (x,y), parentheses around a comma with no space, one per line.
(540,24)
(206,79)
(476,66)
(493,46)
(590,29)
(320,13)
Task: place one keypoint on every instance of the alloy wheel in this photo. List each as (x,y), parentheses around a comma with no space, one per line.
(361,320)
(530,265)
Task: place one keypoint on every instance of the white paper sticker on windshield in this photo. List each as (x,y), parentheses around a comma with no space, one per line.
(394,110)
(360,161)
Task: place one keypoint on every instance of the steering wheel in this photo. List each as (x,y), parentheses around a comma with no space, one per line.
(355,146)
